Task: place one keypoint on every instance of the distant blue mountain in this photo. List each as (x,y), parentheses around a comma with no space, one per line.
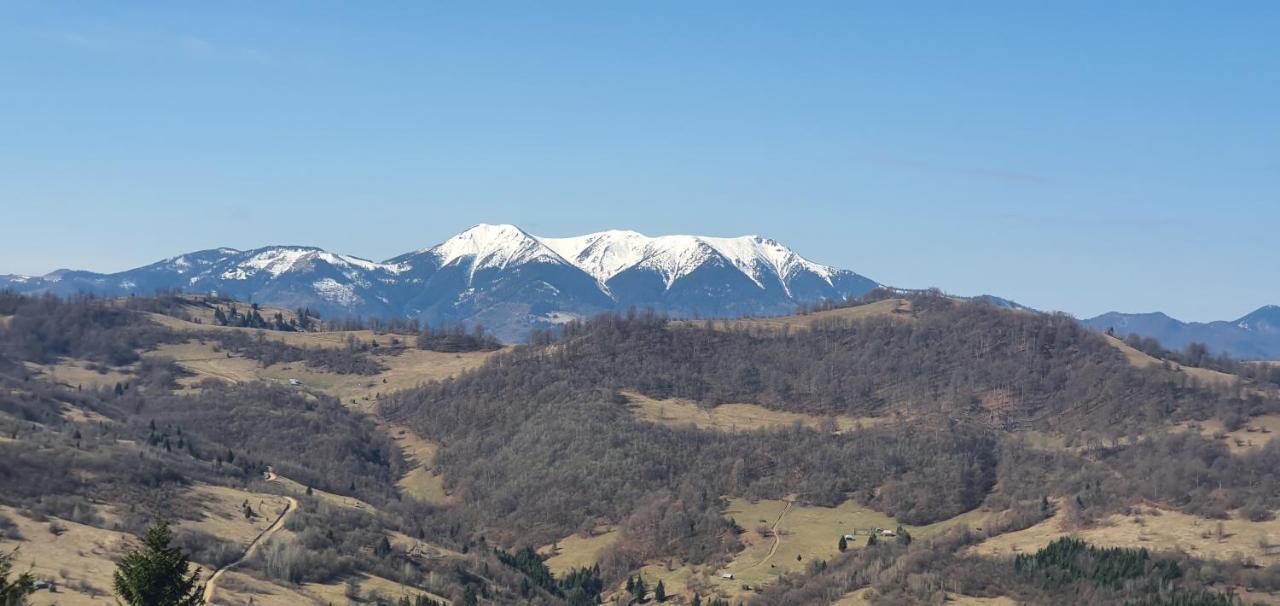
(1255,336)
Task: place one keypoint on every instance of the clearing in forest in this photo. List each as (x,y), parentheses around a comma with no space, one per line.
(577,551)
(73,374)
(891,308)
(1155,529)
(679,412)
(782,537)
(405,368)
(423,480)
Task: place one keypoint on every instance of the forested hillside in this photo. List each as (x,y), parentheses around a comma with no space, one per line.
(543,440)
(108,459)
(960,421)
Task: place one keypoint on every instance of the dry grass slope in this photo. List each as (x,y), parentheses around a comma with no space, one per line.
(782,537)
(73,373)
(1140,359)
(1154,529)
(223,512)
(80,558)
(423,481)
(577,551)
(678,412)
(406,369)
(895,308)
(1256,433)
(334,339)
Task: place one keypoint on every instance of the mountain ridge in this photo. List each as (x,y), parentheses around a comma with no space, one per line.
(1255,335)
(498,275)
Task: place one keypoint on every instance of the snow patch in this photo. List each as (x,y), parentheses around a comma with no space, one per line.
(276,261)
(557,317)
(335,292)
(280,260)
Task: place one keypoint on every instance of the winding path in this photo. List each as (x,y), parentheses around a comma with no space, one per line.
(777,538)
(253,546)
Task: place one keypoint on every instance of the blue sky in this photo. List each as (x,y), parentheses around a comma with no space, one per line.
(1088,157)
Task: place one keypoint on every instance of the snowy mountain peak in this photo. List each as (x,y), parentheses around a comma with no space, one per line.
(194,261)
(604,254)
(1263,319)
(498,275)
(493,246)
(757,256)
(609,253)
(274,261)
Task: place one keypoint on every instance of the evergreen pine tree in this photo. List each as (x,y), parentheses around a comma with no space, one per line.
(638,589)
(157,575)
(843,544)
(660,592)
(14,591)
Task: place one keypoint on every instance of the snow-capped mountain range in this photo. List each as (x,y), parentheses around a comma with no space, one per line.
(496,275)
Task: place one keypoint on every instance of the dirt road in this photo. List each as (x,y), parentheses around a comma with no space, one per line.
(253,546)
(777,537)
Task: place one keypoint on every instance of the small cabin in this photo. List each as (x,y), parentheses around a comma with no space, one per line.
(727,575)
(848,537)
(888,533)
(295,382)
